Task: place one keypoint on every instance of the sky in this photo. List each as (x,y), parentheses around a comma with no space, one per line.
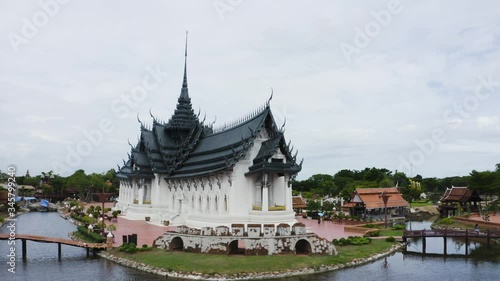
(411,86)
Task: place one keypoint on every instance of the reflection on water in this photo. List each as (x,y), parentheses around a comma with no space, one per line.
(418,225)
(435,245)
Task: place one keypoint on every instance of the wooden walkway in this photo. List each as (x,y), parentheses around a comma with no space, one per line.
(56,240)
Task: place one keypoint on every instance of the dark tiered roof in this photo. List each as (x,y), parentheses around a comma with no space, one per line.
(460,194)
(185,147)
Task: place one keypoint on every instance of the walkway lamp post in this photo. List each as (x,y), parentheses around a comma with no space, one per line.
(385,198)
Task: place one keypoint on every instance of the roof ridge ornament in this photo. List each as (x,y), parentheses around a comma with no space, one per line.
(270,98)
(213,123)
(139,120)
(283,126)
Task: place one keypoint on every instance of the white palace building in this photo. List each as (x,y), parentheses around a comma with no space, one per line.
(185,172)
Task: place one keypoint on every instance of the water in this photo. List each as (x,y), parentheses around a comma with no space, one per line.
(43,264)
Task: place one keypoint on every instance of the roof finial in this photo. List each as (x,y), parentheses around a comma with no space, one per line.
(184,91)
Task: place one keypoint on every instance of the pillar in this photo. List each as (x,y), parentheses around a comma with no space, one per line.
(24,249)
(423,245)
(265,193)
(265,198)
(445,246)
(59,251)
(109,241)
(288,200)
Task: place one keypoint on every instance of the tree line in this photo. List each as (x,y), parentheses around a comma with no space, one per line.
(344,182)
(79,183)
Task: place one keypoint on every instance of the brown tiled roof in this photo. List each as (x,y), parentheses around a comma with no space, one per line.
(460,194)
(371,197)
(298,202)
(349,205)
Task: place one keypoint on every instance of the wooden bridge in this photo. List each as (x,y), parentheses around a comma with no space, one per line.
(445,233)
(60,241)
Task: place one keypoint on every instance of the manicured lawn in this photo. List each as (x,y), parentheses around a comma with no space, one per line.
(390,232)
(224,264)
(421,204)
(454,224)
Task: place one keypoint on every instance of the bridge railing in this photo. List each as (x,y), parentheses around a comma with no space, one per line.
(450,233)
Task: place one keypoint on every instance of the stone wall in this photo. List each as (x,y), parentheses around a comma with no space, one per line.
(282,239)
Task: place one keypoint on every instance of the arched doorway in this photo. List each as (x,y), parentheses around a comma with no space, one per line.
(236,247)
(303,247)
(176,244)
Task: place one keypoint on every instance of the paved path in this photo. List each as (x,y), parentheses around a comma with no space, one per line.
(493,219)
(326,229)
(147,232)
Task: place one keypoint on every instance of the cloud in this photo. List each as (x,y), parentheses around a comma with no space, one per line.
(49,137)
(39,119)
(339,115)
(487,121)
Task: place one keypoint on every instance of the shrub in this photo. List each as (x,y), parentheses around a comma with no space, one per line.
(372,234)
(370,225)
(1,219)
(76,217)
(92,236)
(90,210)
(390,239)
(352,240)
(399,227)
(128,248)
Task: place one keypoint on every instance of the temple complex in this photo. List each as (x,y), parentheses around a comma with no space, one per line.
(186,172)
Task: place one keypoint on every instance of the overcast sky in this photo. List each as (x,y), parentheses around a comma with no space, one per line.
(404,85)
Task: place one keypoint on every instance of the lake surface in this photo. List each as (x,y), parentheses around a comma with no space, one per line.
(43,264)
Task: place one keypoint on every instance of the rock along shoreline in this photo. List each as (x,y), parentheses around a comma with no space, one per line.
(247,276)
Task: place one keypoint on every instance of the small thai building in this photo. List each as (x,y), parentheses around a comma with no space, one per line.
(458,196)
(369,203)
(298,204)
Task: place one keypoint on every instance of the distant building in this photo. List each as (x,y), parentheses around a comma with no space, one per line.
(458,196)
(185,172)
(368,202)
(298,203)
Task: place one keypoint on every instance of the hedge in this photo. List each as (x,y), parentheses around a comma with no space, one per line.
(92,236)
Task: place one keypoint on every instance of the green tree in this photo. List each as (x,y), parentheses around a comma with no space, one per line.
(486,182)
(33,181)
(313,205)
(81,183)
(412,192)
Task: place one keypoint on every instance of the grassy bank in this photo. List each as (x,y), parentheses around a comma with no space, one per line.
(451,223)
(421,204)
(390,232)
(228,265)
